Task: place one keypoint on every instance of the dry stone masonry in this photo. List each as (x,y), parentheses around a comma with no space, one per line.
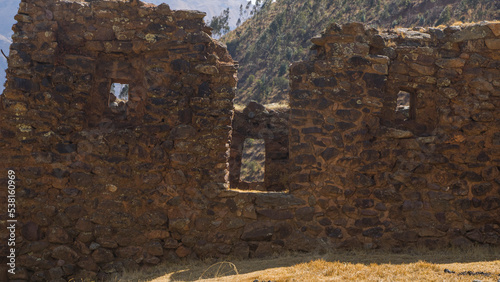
(103,188)
(258,122)
(378,177)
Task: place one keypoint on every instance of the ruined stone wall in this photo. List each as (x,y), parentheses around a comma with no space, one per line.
(258,122)
(383,178)
(101,189)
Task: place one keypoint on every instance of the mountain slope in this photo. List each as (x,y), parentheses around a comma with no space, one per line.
(279,34)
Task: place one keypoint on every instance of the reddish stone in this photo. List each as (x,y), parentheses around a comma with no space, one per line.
(182,251)
(65,253)
(276,214)
(58,235)
(88,263)
(171,243)
(154,248)
(106,242)
(375,232)
(102,255)
(481,189)
(299,241)
(491,203)
(305,213)
(131,252)
(149,259)
(257,231)
(235,223)
(407,236)
(30,231)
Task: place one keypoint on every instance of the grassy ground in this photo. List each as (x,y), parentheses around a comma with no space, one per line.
(338,266)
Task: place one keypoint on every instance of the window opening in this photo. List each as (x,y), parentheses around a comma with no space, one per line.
(403,104)
(253,161)
(118,96)
(120,91)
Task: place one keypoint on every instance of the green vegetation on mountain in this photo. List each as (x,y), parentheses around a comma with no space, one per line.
(253,161)
(220,24)
(278,33)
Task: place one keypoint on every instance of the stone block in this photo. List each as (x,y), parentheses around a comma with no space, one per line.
(65,253)
(450,63)
(30,231)
(423,70)
(375,232)
(471,33)
(305,213)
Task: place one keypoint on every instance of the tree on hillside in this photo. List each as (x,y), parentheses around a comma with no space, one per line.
(266,4)
(247,7)
(247,11)
(220,24)
(256,7)
(124,92)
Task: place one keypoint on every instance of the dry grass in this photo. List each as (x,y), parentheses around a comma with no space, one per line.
(282,106)
(257,191)
(338,266)
(239,107)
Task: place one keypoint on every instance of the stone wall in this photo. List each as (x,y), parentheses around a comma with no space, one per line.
(385,179)
(101,189)
(258,122)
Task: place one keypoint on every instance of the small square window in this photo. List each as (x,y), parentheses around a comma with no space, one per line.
(118,97)
(120,91)
(403,104)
